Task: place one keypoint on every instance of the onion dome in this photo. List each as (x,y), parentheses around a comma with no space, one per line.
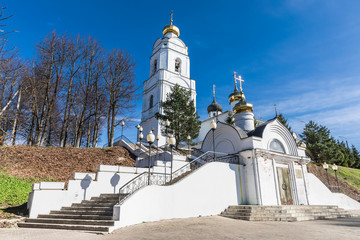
(214,107)
(243,106)
(236,95)
(171,28)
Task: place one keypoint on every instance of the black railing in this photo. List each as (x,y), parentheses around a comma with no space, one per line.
(141,181)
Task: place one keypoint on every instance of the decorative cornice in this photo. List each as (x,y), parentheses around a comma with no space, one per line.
(267,154)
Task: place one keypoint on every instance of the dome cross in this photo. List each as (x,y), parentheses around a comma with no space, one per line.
(171,17)
(238,79)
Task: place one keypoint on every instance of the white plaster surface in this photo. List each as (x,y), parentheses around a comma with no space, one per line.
(81,176)
(52,186)
(268,183)
(319,194)
(207,191)
(51,196)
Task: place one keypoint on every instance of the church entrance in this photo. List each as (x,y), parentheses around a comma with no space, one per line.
(284,186)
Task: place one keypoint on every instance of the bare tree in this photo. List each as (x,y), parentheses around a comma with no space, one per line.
(68,91)
(120,88)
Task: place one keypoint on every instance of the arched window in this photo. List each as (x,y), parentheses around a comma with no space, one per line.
(277,146)
(151,101)
(177,65)
(155,66)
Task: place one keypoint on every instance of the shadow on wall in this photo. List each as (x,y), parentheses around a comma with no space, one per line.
(239,184)
(114,181)
(85,183)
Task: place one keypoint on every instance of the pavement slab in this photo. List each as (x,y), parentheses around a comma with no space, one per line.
(209,228)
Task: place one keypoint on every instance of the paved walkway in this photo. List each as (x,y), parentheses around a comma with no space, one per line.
(209,228)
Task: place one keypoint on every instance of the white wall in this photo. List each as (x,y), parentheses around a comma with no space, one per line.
(268,182)
(319,194)
(207,191)
(109,179)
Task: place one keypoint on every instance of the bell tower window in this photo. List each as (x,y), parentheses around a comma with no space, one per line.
(155,66)
(151,101)
(177,65)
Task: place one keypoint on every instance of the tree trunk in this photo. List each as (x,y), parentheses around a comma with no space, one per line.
(15,126)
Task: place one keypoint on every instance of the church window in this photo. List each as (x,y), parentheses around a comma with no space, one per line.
(277,146)
(177,65)
(151,101)
(155,66)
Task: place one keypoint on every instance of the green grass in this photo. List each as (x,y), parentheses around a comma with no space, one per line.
(350,175)
(14,191)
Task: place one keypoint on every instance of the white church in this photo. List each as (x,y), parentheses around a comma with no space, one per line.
(238,170)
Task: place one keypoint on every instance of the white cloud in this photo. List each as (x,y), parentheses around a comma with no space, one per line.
(332,103)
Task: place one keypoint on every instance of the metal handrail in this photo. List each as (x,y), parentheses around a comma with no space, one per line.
(188,167)
(141,181)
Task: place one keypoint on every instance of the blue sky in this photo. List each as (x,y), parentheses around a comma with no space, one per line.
(302,55)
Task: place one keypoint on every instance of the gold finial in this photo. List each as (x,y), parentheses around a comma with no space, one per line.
(214,91)
(171,28)
(235,79)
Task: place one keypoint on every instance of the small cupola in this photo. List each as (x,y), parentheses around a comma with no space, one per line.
(214,109)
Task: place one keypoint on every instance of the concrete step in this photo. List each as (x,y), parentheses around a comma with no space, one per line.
(71,221)
(69,216)
(65,227)
(107,200)
(110,195)
(283,213)
(77,212)
(88,208)
(93,204)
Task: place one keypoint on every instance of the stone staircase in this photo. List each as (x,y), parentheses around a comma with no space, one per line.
(284,213)
(94,215)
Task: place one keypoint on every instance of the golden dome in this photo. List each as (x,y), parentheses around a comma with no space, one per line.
(243,106)
(171,28)
(236,96)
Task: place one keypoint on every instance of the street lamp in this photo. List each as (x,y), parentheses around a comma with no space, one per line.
(122,128)
(335,168)
(150,139)
(188,139)
(213,127)
(141,136)
(172,142)
(326,167)
(137,134)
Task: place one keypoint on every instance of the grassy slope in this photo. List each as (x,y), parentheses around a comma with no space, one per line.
(13,190)
(350,175)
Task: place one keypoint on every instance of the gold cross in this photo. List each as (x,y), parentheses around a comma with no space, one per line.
(238,79)
(171,17)
(214,91)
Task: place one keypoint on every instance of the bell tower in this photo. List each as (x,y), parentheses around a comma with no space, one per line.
(169,65)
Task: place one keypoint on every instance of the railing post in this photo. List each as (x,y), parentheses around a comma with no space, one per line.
(171,170)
